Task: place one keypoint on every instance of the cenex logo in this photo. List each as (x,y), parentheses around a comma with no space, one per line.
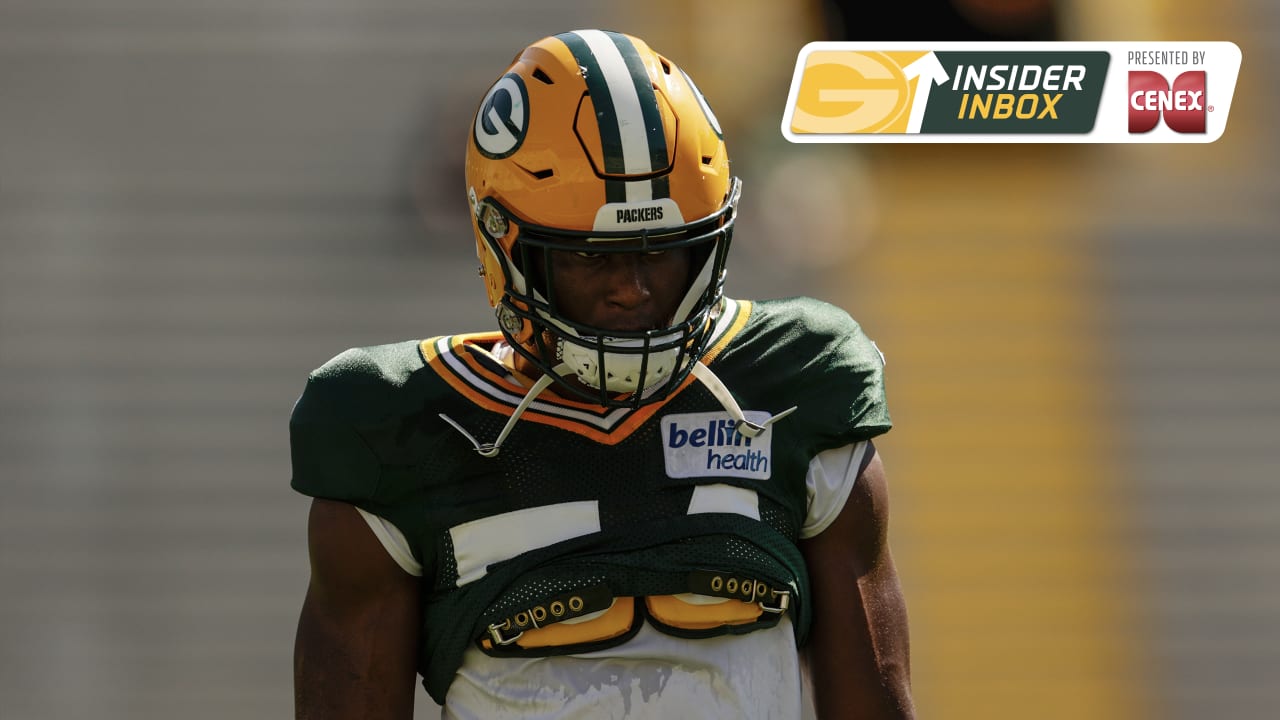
(1182,105)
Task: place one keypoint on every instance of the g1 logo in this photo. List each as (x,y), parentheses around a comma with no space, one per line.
(503,118)
(850,92)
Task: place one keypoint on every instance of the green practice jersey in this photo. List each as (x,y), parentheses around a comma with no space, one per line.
(583,500)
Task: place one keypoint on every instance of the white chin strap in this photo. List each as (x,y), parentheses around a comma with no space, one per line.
(621,372)
(491,449)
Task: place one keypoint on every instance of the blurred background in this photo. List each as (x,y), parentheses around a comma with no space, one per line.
(201,201)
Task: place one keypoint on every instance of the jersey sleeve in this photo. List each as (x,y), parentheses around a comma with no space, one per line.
(844,381)
(347,438)
(829,481)
(330,458)
(814,356)
(394,541)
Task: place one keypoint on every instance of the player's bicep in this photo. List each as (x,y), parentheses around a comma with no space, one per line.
(356,650)
(858,650)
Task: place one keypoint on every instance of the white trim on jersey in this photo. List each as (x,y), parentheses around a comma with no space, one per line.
(721,498)
(480,543)
(830,479)
(394,541)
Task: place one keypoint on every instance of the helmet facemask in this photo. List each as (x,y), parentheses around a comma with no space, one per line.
(612,368)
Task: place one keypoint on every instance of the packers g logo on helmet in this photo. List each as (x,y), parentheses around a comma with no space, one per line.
(503,117)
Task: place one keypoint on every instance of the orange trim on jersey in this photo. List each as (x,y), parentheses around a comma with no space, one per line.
(477,395)
(549,394)
(477,341)
(617,434)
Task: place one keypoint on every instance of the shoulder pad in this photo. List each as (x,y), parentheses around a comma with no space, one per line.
(354,390)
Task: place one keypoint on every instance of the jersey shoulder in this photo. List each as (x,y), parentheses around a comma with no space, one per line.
(345,403)
(810,354)
(353,381)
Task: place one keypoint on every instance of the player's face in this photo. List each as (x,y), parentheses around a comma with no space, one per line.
(620,291)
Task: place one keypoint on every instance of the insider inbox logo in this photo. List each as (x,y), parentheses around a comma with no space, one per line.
(1041,92)
(1181,103)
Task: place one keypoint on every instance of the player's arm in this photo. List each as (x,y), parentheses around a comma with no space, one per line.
(356,649)
(858,655)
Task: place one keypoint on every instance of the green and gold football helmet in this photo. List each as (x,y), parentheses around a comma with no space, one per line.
(591,139)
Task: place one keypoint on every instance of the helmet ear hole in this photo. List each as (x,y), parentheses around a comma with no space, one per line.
(515,327)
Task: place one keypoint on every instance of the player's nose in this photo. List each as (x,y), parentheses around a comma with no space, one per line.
(628,281)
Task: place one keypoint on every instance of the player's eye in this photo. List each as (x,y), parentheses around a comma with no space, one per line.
(587,254)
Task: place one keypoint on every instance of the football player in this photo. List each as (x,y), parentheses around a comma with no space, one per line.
(638,497)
